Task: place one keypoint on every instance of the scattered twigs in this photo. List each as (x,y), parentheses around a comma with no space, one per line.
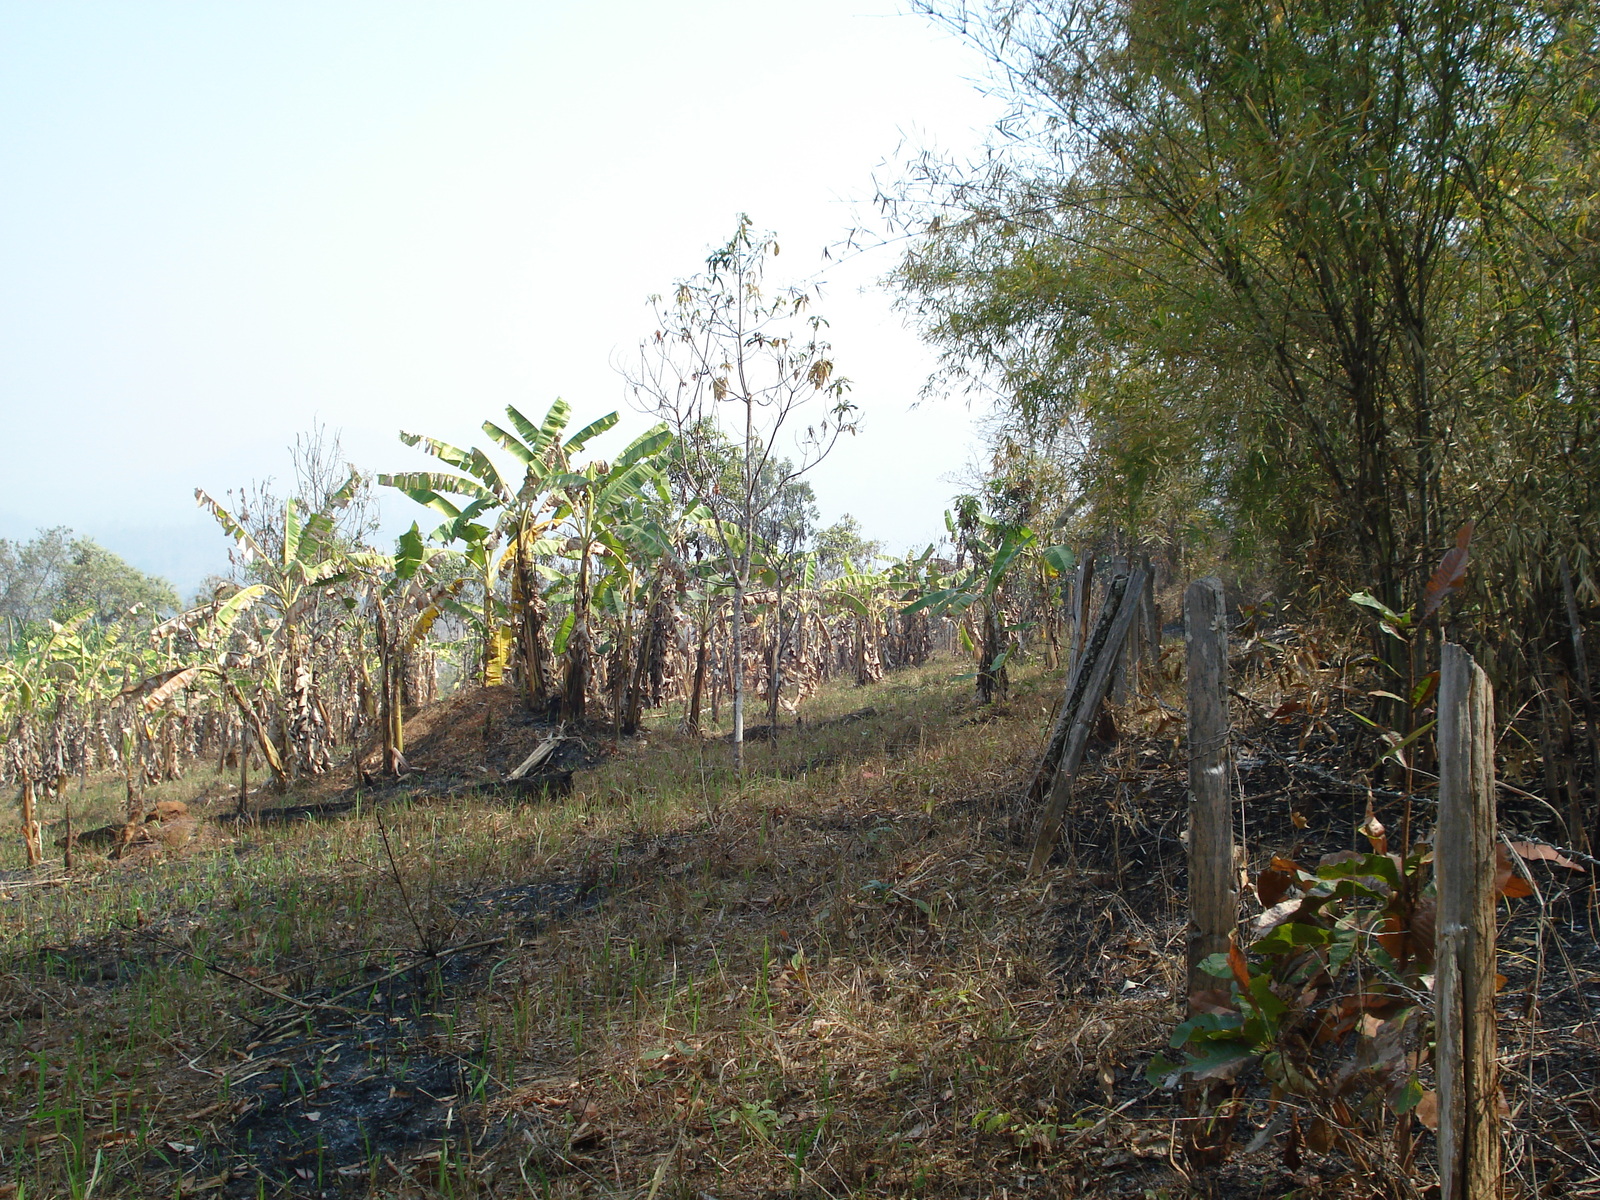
(423,940)
(450,952)
(218,968)
(366,985)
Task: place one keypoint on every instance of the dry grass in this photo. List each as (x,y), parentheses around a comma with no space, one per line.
(832,982)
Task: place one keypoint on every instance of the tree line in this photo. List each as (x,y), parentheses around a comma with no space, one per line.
(1306,290)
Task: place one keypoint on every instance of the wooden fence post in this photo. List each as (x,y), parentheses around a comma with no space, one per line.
(1090,679)
(1464,868)
(1213,897)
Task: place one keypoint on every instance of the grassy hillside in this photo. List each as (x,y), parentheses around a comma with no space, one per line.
(833,982)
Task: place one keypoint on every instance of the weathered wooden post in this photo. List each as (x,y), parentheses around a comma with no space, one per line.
(1213,898)
(1090,679)
(1464,867)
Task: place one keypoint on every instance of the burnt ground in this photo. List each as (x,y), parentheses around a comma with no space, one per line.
(376,1081)
(467,745)
(329,1095)
(477,738)
(1306,769)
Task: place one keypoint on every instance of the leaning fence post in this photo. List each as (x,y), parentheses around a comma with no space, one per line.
(1087,690)
(1464,867)
(1213,901)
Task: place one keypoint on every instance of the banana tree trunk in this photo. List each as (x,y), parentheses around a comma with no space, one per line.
(991,681)
(775,665)
(531,633)
(574,700)
(622,664)
(488,623)
(31,839)
(263,739)
(242,809)
(397,721)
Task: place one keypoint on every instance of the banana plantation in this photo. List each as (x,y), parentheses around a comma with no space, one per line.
(590,586)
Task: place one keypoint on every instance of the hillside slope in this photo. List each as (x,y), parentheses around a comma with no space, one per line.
(835,981)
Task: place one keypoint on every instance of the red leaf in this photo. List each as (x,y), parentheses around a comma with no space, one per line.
(1286,711)
(1272,886)
(1236,962)
(1506,880)
(1374,831)
(1451,574)
(1427,1109)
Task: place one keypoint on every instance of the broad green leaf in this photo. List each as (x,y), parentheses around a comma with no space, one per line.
(483,467)
(230,524)
(408,552)
(1367,600)
(591,430)
(291,531)
(235,606)
(1060,559)
(413,482)
(517,450)
(558,644)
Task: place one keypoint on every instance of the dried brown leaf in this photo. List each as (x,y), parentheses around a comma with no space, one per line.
(1540,852)
(1451,574)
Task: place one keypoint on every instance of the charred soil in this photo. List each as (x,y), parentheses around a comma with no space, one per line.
(834,980)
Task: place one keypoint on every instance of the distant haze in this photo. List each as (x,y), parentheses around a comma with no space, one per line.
(225,222)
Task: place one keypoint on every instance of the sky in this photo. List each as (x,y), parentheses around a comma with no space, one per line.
(224,223)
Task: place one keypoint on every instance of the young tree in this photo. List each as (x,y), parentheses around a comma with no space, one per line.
(732,360)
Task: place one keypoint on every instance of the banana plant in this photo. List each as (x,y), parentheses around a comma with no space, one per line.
(594,507)
(990,548)
(34,684)
(519,527)
(405,594)
(231,658)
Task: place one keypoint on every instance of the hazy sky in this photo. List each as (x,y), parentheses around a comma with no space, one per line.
(222,222)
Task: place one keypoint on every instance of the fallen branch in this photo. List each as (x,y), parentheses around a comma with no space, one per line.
(284,997)
(541,753)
